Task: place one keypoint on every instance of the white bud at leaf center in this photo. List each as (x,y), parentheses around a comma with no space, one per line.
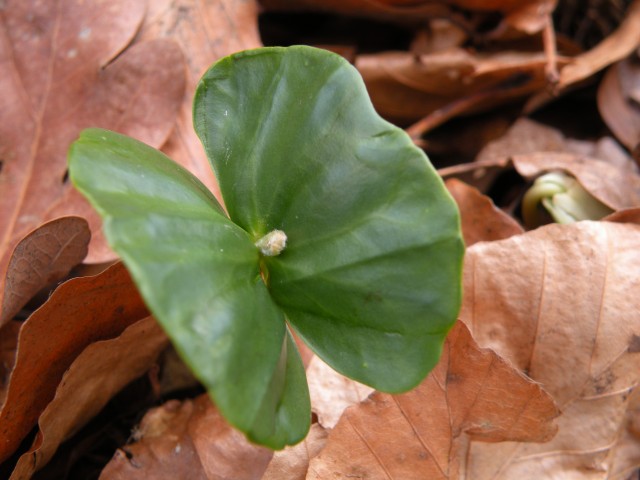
(272,243)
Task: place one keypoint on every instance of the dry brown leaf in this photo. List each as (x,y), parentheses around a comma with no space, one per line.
(78,313)
(406,87)
(618,188)
(187,440)
(365,8)
(44,256)
(561,303)
(627,456)
(614,47)
(528,136)
(206,32)
(616,103)
(481,220)
(524,136)
(472,394)
(62,69)
(331,393)
(627,215)
(529,16)
(292,463)
(8,345)
(98,373)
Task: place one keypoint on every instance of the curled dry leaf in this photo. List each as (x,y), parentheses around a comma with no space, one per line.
(187,440)
(406,87)
(614,47)
(383,9)
(619,101)
(529,16)
(292,463)
(44,256)
(78,313)
(481,219)
(63,68)
(561,303)
(98,373)
(8,345)
(205,31)
(331,393)
(471,395)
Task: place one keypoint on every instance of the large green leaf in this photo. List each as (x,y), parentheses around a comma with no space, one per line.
(370,277)
(199,274)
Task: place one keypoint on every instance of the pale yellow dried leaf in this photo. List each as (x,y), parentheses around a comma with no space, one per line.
(331,393)
(292,463)
(561,304)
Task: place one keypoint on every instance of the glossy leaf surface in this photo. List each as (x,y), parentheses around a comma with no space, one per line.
(199,274)
(370,277)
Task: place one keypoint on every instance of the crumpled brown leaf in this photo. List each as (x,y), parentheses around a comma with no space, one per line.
(406,87)
(63,68)
(44,256)
(98,373)
(481,220)
(472,394)
(187,440)
(561,303)
(78,313)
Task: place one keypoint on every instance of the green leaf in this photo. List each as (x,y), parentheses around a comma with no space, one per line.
(337,224)
(199,274)
(370,276)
